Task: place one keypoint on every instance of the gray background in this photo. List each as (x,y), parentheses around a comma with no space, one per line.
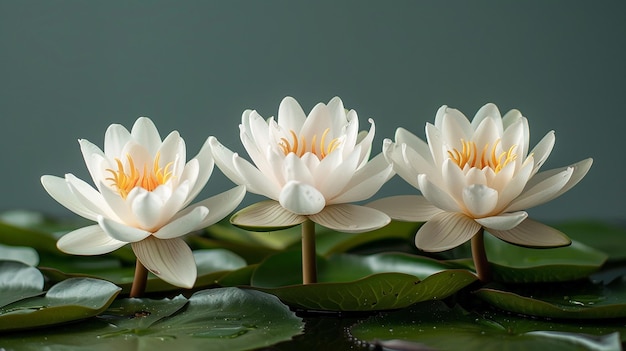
(68,69)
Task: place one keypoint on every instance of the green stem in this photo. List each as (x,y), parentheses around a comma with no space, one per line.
(139,281)
(309,266)
(480,257)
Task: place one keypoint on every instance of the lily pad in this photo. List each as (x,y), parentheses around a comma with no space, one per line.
(211,265)
(329,242)
(70,300)
(583,300)
(215,319)
(433,325)
(359,283)
(19,281)
(516,264)
(608,238)
(26,255)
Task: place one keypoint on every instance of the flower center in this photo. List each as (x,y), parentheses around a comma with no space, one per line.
(149,179)
(470,156)
(299,145)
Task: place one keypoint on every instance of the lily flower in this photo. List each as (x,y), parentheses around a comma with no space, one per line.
(311,167)
(142,191)
(477,176)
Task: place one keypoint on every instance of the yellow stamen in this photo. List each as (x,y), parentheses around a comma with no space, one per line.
(149,179)
(298,145)
(469,156)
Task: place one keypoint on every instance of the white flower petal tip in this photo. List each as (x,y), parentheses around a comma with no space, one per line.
(301,199)
(170,260)
(533,234)
(349,218)
(266,216)
(407,208)
(445,231)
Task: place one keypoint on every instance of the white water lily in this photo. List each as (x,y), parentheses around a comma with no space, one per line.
(477,175)
(310,167)
(143,187)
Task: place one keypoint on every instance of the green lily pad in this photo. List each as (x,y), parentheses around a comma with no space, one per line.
(433,325)
(329,242)
(275,240)
(580,300)
(26,255)
(359,283)
(516,264)
(211,265)
(69,300)
(601,236)
(215,319)
(19,281)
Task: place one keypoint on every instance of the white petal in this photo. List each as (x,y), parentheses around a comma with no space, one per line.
(91,240)
(171,260)
(541,192)
(515,186)
(147,207)
(89,150)
(146,134)
(366,181)
(88,196)
(503,221)
(255,181)
(190,175)
(219,206)
(59,189)
(118,205)
(455,127)
(290,114)
(533,234)
(301,198)
(316,123)
(479,199)
(349,218)
(579,170)
(454,179)
(223,157)
(295,169)
(183,224)
(366,143)
(512,117)
(333,182)
(409,208)
(175,202)
(445,231)
(420,164)
(266,216)
(436,195)
(403,136)
(542,150)
(437,149)
(488,111)
(122,232)
(174,151)
(115,137)
(393,155)
(487,132)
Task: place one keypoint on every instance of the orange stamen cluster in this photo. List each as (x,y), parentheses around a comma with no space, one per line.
(299,145)
(149,179)
(469,156)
